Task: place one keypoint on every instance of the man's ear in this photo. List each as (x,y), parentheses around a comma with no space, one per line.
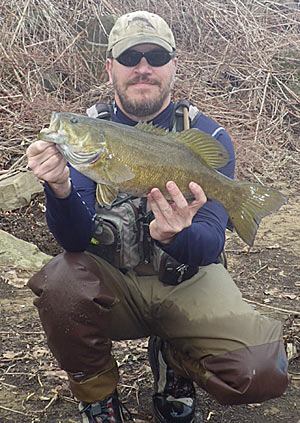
(108,66)
(175,63)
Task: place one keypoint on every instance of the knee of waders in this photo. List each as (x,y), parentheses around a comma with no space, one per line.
(71,283)
(248,375)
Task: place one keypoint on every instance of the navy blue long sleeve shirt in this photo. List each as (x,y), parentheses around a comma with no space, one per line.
(71,219)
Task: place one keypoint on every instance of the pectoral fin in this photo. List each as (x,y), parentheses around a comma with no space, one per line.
(116,171)
(105,194)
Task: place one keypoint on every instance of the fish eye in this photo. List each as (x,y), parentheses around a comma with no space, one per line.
(73,120)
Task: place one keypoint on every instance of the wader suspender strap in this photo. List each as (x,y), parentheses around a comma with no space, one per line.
(186,121)
(146,218)
(101,111)
(183,116)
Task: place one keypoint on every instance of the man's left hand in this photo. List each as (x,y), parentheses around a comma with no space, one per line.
(170,218)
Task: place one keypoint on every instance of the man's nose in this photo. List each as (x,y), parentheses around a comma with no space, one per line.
(143,66)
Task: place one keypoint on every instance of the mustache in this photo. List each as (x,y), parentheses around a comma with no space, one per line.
(139,79)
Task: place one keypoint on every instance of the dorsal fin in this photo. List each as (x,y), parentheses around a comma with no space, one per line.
(151,129)
(205,146)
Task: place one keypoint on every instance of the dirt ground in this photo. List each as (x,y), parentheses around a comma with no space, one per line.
(34,389)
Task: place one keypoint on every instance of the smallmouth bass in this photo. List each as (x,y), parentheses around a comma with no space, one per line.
(134,160)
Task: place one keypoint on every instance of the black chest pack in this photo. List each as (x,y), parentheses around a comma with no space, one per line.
(121,234)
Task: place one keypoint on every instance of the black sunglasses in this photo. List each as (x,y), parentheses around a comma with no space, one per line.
(154,57)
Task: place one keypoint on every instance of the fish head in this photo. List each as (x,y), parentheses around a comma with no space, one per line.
(76,138)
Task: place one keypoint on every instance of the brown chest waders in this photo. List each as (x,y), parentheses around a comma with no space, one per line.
(212,336)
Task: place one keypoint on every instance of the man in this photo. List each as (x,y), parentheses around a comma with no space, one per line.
(200,328)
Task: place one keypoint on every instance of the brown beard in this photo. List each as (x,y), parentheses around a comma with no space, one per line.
(145,106)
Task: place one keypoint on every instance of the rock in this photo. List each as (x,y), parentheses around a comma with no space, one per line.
(93,42)
(271,411)
(95,36)
(16,190)
(20,254)
(90,46)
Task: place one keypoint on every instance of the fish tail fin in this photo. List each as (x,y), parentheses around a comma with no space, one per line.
(252,203)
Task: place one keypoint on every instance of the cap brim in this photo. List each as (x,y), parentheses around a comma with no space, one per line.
(131,41)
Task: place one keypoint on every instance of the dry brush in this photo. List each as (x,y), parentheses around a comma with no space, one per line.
(239,63)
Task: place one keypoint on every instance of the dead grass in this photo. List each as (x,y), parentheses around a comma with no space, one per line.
(239,63)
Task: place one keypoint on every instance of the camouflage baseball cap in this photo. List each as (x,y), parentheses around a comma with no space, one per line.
(139,28)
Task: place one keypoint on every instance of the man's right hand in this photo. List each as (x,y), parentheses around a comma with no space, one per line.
(48,164)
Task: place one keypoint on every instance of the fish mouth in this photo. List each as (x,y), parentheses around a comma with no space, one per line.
(50,135)
(78,158)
